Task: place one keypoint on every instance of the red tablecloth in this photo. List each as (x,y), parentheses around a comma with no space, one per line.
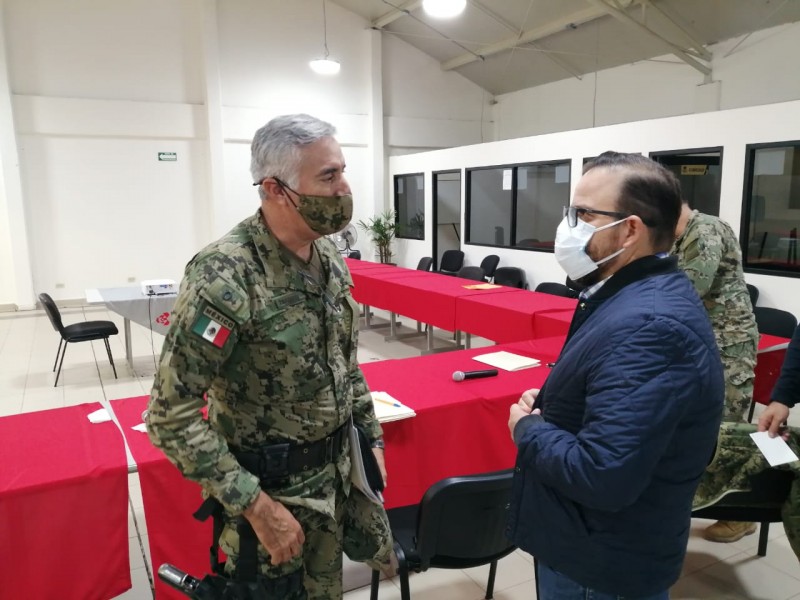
(368,285)
(508,317)
(552,323)
(63,506)
(169,501)
(428,297)
(771,352)
(460,427)
(356,264)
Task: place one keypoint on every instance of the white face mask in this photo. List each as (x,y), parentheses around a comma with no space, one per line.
(570,248)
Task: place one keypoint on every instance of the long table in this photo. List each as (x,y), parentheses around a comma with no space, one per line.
(63,506)
(460,428)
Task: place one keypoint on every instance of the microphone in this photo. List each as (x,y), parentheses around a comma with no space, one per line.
(462,375)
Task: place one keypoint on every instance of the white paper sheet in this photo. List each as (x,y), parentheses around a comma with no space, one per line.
(775,450)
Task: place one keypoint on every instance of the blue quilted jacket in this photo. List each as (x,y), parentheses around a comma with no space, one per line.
(604,480)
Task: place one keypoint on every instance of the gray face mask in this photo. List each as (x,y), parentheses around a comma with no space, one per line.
(570,248)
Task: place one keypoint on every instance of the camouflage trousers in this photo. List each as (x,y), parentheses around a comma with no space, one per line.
(360,529)
(735,461)
(738,362)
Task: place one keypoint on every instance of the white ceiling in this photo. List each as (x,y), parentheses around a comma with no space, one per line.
(508,45)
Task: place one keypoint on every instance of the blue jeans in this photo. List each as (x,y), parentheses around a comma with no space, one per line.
(555,586)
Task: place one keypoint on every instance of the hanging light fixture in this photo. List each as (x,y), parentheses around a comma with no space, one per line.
(444,9)
(325,65)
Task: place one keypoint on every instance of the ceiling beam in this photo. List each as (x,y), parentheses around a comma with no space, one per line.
(564,65)
(622,16)
(577,18)
(400,11)
(697,45)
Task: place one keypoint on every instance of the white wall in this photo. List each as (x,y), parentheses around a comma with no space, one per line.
(761,70)
(731,129)
(99,87)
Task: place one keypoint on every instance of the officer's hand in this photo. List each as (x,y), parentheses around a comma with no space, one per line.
(773,418)
(276,528)
(516,412)
(378,452)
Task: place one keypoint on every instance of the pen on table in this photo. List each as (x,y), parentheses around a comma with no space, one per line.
(389,402)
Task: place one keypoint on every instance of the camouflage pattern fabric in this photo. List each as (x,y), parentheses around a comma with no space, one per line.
(736,460)
(271,341)
(709,254)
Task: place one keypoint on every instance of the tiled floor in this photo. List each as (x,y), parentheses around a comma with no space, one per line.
(27,350)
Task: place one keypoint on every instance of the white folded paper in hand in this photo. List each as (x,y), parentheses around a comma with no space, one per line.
(389,409)
(99,416)
(775,450)
(140,427)
(508,361)
(358,475)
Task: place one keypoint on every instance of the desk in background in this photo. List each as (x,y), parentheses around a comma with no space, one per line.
(63,506)
(769,360)
(151,312)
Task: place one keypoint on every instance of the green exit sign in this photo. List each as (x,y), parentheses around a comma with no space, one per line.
(168,156)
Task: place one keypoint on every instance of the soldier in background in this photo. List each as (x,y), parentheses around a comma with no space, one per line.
(266,329)
(709,254)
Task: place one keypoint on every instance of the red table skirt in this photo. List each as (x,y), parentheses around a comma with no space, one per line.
(771,352)
(63,507)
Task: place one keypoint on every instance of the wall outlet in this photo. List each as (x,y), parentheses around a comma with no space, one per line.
(131,279)
(60,286)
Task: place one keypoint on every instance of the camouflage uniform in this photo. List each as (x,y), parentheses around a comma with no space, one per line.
(709,254)
(278,364)
(735,461)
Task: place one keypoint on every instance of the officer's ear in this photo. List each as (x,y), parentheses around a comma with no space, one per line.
(272,188)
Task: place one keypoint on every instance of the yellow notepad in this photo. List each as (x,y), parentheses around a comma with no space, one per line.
(482,286)
(507,361)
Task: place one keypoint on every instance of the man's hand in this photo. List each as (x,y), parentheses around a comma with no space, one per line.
(773,418)
(276,528)
(528,398)
(378,452)
(516,412)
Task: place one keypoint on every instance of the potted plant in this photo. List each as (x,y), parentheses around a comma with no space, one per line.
(381,230)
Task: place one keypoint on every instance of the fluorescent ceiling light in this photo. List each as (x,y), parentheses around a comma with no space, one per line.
(444,9)
(325,66)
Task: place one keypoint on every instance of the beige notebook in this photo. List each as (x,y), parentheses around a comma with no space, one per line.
(389,409)
(507,361)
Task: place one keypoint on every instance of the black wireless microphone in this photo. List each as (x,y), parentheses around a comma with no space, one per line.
(462,375)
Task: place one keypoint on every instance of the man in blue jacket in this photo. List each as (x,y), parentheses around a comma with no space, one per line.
(612,447)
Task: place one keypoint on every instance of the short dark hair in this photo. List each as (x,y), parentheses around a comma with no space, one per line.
(649,191)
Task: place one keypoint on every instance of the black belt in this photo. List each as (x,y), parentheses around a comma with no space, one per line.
(278,461)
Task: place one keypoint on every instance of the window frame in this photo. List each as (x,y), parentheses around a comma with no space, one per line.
(513,230)
(398,229)
(744,225)
(721,149)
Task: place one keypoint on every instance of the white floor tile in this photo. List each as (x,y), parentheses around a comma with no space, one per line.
(511,571)
(141,589)
(751,577)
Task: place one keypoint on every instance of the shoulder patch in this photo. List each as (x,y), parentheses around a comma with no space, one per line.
(213,326)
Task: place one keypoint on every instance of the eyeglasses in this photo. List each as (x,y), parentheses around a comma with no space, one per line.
(573,212)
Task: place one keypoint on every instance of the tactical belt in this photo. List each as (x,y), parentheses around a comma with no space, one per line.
(278,461)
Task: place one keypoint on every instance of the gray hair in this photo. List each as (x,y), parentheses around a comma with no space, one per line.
(275,148)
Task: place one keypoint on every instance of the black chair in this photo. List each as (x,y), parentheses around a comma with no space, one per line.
(774,321)
(762,504)
(753,291)
(452,261)
(511,276)
(474,273)
(85,331)
(425,263)
(489,264)
(556,289)
(354,254)
(460,523)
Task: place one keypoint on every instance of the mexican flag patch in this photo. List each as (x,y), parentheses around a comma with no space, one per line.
(213,327)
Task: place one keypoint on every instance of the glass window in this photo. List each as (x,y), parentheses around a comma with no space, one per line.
(700,174)
(409,205)
(542,192)
(771,214)
(518,206)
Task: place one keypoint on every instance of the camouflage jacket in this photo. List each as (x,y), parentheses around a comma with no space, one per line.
(709,254)
(274,350)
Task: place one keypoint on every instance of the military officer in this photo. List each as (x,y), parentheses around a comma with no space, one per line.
(265,333)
